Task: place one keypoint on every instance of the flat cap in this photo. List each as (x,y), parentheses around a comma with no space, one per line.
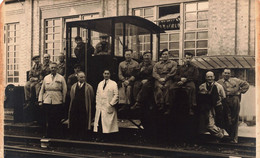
(35,57)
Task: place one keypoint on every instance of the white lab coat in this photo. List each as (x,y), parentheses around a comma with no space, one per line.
(105,101)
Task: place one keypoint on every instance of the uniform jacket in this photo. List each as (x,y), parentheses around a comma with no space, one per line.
(89,97)
(145,71)
(127,70)
(164,69)
(190,72)
(234,86)
(46,69)
(53,91)
(61,68)
(36,71)
(105,101)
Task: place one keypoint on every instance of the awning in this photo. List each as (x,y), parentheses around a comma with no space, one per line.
(225,61)
(169,17)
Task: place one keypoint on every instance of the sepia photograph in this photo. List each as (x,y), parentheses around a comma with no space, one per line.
(129,78)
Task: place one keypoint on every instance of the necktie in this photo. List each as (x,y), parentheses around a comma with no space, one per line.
(105,84)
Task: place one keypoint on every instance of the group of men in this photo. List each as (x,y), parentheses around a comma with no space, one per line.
(136,80)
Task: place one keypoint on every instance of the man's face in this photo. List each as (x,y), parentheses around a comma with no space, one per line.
(81,77)
(188,59)
(106,75)
(46,58)
(61,58)
(76,69)
(102,39)
(147,57)
(128,55)
(165,56)
(226,74)
(37,60)
(53,68)
(210,77)
(78,41)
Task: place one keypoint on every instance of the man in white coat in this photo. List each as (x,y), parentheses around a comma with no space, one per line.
(106,99)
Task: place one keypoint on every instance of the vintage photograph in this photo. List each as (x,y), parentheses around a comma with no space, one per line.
(129,78)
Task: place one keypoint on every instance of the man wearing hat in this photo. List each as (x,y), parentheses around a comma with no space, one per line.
(80,51)
(103,47)
(35,76)
(61,65)
(144,80)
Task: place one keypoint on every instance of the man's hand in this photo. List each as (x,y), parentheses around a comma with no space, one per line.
(126,82)
(144,81)
(179,83)
(162,80)
(183,79)
(40,103)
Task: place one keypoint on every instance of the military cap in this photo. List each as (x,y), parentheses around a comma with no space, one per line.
(35,57)
(103,35)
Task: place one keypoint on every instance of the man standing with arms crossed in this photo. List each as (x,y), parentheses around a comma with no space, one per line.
(233,87)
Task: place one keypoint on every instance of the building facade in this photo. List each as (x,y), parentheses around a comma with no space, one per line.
(205,28)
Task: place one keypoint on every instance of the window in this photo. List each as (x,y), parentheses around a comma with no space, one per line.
(12,50)
(171,41)
(196,28)
(146,13)
(53,38)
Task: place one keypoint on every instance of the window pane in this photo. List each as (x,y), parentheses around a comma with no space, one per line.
(190,25)
(57,36)
(16,73)
(57,22)
(163,46)
(203,15)
(164,37)
(202,35)
(147,47)
(16,80)
(174,45)
(10,79)
(174,37)
(190,51)
(189,44)
(149,18)
(202,52)
(146,38)
(203,6)
(202,24)
(148,12)
(189,36)
(190,16)
(49,45)
(174,53)
(191,7)
(56,45)
(202,44)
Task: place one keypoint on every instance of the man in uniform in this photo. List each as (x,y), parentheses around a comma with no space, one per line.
(163,71)
(144,80)
(35,76)
(46,65)
(103,47)
(126,72)
(186,76)
(80,51)
(233,87)
(52,97)
(210,97)
(61,65)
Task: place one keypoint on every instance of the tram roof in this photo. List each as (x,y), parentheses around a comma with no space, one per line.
(225,61)
(104,25)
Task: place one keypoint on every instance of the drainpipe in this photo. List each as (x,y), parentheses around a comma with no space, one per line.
(31,30)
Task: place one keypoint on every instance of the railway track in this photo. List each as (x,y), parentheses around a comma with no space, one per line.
(31,147)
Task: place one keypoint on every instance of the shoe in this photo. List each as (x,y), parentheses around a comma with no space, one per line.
(167,112)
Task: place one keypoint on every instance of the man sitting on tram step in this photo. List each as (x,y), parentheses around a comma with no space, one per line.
(144,80)
(73,77)
(233,87)
(52,97)
(35,76)
(46,65)
(163,71)
(103,47)
(186,76)
(210,98)
(82,97)
(126,72)
(106,99)
(61,65)
(80,51)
